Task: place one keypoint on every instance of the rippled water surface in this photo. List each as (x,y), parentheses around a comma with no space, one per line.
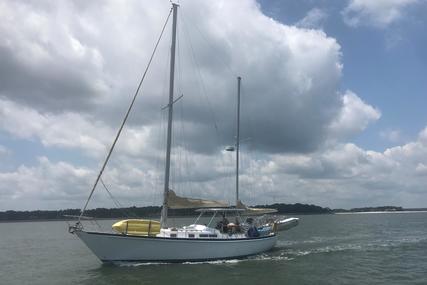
(323,249)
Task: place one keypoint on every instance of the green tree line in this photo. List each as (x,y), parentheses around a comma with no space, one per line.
(137,212)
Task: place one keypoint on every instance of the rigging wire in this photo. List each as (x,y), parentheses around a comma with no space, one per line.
(175,152)
(117,203)
(203,89)
(245,156)
(183,153)
(226,64)
(260,188)
(160,139)
(201,77)
(179,138)
(189,185)
(125,119)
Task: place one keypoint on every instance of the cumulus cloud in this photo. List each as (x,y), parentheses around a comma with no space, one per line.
(71,130)
(423,135)
(354,116)
(64,130)
(46,185)
(391,135)
(353,175)
(90,62)
(313,20)
(421,169)
(343,175)
(84,63)
(52,185)
(42,61)
(379,13)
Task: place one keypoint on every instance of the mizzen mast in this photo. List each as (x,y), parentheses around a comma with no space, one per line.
(239,79)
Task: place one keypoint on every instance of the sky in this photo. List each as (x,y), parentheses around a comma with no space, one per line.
(332,111)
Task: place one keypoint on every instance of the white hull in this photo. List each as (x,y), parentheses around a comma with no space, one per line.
(116,247)
(286,224)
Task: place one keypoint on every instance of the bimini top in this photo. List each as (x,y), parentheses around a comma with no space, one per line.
(220,210)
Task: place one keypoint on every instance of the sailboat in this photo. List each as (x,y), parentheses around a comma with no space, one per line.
(150,240)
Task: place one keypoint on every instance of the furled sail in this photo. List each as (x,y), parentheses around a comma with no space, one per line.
(254,211)
(177,202)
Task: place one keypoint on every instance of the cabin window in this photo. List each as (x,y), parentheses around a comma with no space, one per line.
(207,235)
(191,235)
(173,235)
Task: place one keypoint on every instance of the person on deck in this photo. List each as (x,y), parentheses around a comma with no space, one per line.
(225,223)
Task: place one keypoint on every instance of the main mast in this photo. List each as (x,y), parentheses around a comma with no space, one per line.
(164,214)
(238,140)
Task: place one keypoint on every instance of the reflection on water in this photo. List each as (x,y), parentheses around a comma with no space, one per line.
(323,249)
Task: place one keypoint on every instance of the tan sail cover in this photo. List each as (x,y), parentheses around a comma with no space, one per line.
(255,211)
(177,202)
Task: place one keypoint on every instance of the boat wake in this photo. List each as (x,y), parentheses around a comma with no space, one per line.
(259,257)
(375,245)
(288,251)
(223,261)
(136,263)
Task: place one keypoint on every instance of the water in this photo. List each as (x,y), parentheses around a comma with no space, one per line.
(324,249)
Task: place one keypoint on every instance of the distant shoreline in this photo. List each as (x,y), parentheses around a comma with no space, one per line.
(300,214)
(142,217)
(381,209)
(44,220)
(138,212)
(153,212)
(382,212)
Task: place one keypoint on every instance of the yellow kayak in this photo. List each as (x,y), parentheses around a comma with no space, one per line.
(137,227)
